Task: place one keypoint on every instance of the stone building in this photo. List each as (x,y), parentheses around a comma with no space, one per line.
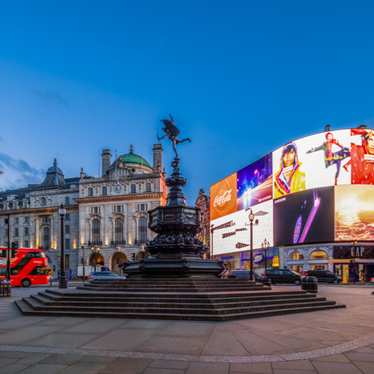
(34,220)
(113,208)
(202,202)
(106,222)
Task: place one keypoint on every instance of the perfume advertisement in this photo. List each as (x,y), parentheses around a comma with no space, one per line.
(304,217)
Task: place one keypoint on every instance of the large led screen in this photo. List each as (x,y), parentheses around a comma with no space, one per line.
(354,213)
(232,232)
(304,217)
(362,156)
(255,183)
(223,197)
(315,161)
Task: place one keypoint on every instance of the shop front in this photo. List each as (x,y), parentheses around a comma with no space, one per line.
(354,263)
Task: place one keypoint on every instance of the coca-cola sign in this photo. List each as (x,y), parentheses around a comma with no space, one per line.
(223,197)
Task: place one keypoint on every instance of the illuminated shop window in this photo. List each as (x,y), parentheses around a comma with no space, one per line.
(296,256)
(318,255)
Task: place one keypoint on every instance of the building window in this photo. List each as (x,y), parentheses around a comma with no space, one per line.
(43,201)
(46,237)
(296,256)
(142,230)
(148,187)
(10,205)
(118,230)
(16,220)
(90,191)
(26,220)
(67,217)
(20,204)
(318,255)
(133,188)
(95,210)
(67,200)
(16,231)
(96,230)
(67,243)
(26,231)
(118,209)
(142,207)
(105,190)
(67,229)
(27,243)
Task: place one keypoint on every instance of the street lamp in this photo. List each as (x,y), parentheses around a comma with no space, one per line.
(252,221)
(8,251)
(62,280)
(83,263)
(265,246)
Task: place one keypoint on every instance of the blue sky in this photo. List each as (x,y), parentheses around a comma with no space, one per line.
(240,77)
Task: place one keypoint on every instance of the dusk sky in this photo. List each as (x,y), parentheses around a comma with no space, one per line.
(240,77)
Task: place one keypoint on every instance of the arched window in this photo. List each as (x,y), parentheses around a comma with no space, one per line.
(142,230)
(96,231)
(43,201)
(148,187)
(46,237)
(296,256)
(318,255)
(118,230)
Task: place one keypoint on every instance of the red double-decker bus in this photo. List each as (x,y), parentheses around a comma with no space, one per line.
(28,266)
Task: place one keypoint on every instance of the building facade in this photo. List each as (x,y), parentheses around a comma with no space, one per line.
(34,220)
(106,222)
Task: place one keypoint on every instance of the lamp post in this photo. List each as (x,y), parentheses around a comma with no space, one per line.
(83,263)
(265,245)
(62,280)
(251,219)
(8,251)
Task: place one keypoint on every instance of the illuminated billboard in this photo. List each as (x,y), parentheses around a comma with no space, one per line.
(231,233)
(314,161)
(223,197)
(255,183)
(310,185)
(354,213)
(362,156)
(304,217)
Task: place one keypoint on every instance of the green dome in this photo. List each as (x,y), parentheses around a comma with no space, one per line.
(133,158)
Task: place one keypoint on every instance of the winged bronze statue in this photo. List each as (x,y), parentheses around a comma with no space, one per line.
(171,132)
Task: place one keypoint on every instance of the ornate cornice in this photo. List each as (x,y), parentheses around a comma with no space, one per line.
(128,197)
(44,210)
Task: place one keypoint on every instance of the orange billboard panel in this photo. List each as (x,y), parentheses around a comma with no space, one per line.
(223,197)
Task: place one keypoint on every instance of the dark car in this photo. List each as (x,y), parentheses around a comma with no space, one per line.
(246,275)
(283,276)
(323,276)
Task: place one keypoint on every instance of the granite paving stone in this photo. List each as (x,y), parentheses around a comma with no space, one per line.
(257,368)
(335,368)
(208,368)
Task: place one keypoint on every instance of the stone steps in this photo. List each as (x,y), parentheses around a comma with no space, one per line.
(42,298)
(27,310)
(212,300)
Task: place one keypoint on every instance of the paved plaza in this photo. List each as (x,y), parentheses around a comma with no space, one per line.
(334,341)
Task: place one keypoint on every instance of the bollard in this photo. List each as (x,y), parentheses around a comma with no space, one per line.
(309,284)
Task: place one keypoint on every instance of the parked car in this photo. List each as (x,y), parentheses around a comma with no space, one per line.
(105,275)
(283,276)
(323,276)
(246,275)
